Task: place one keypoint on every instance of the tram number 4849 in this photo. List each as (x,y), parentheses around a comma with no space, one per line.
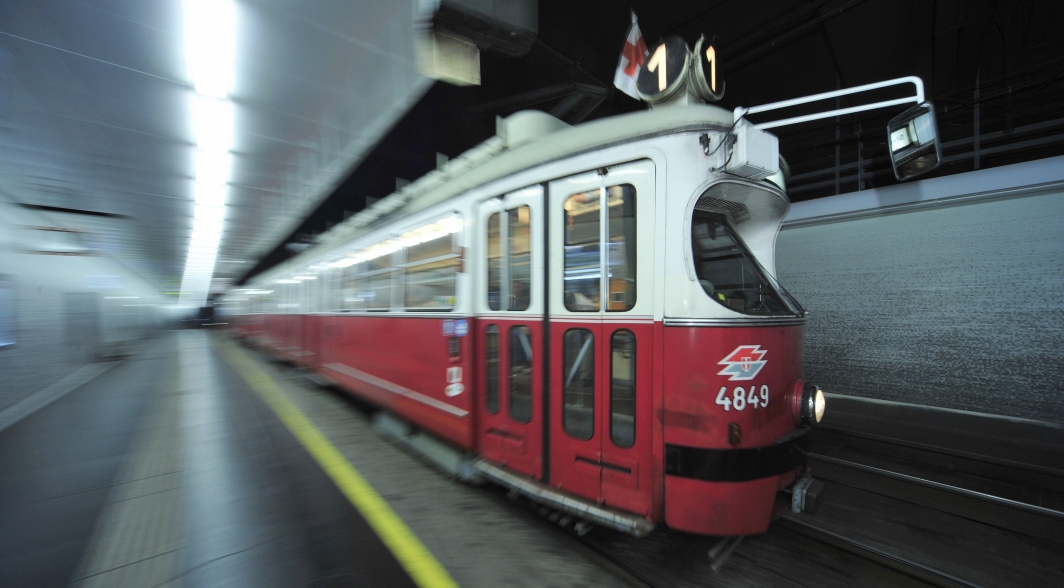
(740,398)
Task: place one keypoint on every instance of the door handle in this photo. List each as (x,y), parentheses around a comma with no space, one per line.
(595,461)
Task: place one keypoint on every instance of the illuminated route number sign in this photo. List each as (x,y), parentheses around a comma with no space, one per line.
(664,72)
(668,70)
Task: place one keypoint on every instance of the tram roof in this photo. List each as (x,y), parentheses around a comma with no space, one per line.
(522,141)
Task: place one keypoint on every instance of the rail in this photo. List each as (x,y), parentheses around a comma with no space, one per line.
(1048,512)
(905,566)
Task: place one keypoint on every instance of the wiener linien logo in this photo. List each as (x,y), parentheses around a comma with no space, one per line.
(744,363)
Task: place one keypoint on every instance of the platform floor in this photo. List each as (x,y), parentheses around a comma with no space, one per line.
(185,466)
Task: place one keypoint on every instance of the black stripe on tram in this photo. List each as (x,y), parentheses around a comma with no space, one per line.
(545,457)
(735,465)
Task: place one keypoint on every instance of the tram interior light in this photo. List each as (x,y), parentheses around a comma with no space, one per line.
(913,140)
(440,228)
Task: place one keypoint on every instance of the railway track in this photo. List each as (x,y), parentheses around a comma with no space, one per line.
(730,567)
(989,491)
(1024,498)
(671,559)
(917,571)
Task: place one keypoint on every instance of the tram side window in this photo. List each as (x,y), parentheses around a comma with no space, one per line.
(335,294)
(491,389)
(287,299)
(578,411)
(519,251)
(353,290)
(379,287)
(521,374)
(429,274)
(494,262)
(621,247)
(726,270)
(583,263)
(310,290)
(622,388)
(510,267)
(324,290)
(583,273)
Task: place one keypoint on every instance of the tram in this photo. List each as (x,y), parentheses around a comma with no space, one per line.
(586,314)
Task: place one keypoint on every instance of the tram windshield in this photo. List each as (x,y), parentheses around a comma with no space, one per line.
(728,272)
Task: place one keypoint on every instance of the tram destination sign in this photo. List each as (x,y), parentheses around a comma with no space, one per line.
(672,68)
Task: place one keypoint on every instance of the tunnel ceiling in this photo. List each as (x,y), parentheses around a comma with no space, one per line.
(330,112)
(1001,63)
(95,126)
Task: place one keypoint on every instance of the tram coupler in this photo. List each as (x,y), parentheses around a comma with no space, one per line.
(805,495)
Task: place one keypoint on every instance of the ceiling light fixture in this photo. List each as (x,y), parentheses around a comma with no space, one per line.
(212,123)
(209,38)
(209,50)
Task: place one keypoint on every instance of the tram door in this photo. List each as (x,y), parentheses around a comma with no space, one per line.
(601,327)
(510,330)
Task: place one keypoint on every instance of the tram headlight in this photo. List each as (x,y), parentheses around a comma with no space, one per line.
(818,405)
(812,404)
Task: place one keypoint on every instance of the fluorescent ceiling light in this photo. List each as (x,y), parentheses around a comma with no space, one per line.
(207,235)
(212,167)
(210,194)
(210,32)
(212,122)
(208,212)
(210,47)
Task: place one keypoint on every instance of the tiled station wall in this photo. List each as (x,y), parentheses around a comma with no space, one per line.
(61,312)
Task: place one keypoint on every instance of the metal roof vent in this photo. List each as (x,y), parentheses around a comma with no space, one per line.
(526,126)
(737,210)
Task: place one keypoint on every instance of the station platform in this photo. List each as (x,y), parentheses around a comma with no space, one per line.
(196,462)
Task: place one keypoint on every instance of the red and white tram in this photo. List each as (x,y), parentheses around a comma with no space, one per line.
(591,312)
(588,315)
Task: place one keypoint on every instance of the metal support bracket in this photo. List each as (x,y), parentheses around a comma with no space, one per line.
(918,98)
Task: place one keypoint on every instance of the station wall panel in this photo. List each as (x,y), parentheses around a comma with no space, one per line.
(956,304)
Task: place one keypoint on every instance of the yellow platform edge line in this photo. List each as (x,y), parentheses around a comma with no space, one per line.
(416,559)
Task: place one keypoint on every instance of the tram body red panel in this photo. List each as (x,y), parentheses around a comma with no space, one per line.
(275,330)
(693,418)
(243,326)
(719,508)
(692,356)
(383,359)
(501,438)
(253,326)
(313,334)
(270,330)
(598,468)
(285,335)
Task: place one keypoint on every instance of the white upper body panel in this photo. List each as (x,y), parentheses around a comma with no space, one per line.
(662,151)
